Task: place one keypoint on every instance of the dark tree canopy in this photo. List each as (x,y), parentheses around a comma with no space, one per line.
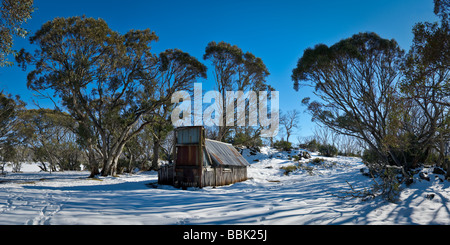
(13,13)
(442,9)
(10,108)
(235,69)
(359,50)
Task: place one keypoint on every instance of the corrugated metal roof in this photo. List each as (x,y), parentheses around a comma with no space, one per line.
(224,154)
(188,135)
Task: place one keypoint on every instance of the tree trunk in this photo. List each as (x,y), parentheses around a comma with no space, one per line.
(441,162)
(115,163)
(155,158)
(93,163)
(110,165)
(130,162)
(94,171)
(447,176)
(106,166)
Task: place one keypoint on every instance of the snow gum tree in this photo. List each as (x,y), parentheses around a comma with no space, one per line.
(357,83)
(177,71)
(235,70)
(106,81)
(426,82)
(10,109)
(49,135)
(13,13)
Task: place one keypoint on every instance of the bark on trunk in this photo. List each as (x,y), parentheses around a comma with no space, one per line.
(93,163)
(94,172)
(447,176)
(106,166)
(155,159)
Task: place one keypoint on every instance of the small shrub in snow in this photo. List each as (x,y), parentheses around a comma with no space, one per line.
(300,166)
(390,186)
(289,169)
(317,161)
(282,145)
(311,145)
(311,166)
(328,150)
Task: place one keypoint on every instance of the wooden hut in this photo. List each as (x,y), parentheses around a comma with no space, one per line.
(201,162)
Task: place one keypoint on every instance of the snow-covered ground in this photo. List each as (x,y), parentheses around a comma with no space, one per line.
(268,197)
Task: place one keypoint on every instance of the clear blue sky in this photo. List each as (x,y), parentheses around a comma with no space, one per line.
(276,31)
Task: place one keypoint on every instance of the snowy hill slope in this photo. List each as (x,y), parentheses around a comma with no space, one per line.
(305,196)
